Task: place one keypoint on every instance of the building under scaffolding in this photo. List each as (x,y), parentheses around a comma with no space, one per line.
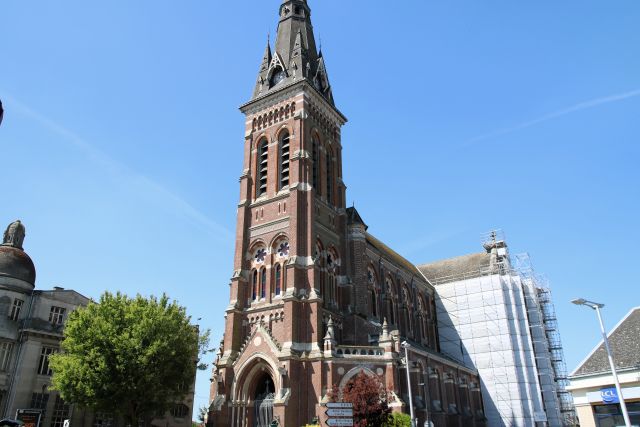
(496,315)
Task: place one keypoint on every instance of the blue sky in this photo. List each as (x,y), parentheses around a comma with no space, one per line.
(121,146)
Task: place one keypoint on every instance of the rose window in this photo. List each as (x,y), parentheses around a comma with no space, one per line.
(283,250)
(261,255)
(330,262)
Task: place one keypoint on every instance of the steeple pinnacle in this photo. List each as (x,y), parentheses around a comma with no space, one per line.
(295,57)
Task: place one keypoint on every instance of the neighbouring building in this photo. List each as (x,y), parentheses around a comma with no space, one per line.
(592,385)
(496,316)
(314,297)
(31,328)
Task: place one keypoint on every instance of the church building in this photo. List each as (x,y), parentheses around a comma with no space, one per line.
(314,298)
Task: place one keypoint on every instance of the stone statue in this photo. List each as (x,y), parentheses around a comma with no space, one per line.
(14,235)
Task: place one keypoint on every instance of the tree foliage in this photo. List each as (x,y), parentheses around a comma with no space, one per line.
(398,420)
(135,357)
(369,398)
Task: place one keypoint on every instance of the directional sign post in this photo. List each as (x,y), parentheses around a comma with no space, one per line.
(343,413)
(340,414)
(340,422)
(338,405)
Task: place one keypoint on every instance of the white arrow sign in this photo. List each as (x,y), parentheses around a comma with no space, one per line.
(340,413)
(339,405)
(340,422)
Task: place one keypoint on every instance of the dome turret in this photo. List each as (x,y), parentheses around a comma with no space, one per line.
(16,268)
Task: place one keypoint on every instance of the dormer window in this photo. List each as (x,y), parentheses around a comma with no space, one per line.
(277,76)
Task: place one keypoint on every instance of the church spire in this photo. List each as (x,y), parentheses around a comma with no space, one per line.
(295,57)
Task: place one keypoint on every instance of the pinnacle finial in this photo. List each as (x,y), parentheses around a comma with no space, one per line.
(385,329)
(330,331)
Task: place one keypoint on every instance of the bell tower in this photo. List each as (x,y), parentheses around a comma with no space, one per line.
(287,283)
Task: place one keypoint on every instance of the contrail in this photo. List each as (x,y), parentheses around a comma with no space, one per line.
(578,107)
(148,185)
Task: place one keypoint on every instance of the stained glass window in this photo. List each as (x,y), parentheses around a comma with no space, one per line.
(278,279)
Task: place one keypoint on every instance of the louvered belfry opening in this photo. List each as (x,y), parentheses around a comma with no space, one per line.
(263,162)
(329,178)
(284,159)
(315,166)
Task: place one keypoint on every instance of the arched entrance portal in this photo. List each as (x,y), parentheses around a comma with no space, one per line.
(264,396)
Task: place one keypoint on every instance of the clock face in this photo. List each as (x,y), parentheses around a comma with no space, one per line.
(277,77)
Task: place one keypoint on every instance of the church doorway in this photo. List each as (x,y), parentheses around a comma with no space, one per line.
(264,397)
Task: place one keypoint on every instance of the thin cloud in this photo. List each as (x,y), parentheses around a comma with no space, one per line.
(575,108)
(144,184)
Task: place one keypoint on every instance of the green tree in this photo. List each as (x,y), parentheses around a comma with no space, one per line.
(135,357)
(398,420)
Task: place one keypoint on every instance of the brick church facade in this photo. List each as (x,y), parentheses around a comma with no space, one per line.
(315,299)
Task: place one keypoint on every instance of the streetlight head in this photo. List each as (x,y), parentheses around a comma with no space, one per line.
(590,304)
(405,344)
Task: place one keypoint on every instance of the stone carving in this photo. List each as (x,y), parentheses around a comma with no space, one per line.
(14,235)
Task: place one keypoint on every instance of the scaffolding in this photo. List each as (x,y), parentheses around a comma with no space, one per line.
(542,337)
(541,303)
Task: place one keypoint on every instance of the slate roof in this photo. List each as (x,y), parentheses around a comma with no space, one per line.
(393,255)
(624,340)
(459,268)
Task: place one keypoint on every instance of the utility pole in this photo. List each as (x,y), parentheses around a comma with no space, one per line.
(406,346)
(597,306)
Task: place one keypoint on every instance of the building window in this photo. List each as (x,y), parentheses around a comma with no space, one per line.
(39,401)
(43,366)
(5,355)
(180,411)
(263,163)
(15,309)
(315,157)
(278,279)
(284,159)
(611,415)
(103,419)
(56,316)
(263,283)
(254,285)
(60,413)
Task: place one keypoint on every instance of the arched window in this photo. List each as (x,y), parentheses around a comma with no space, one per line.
(263,283)
(331,266)
(315,167)
(254,285)
(374,303)
(329,177)
(407,318)
(278,279)
(284,159)
(420,319)
(263,163)
(373,286)
(392,301)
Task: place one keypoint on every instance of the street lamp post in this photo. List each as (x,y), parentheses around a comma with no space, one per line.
(596,306)
(406,346)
